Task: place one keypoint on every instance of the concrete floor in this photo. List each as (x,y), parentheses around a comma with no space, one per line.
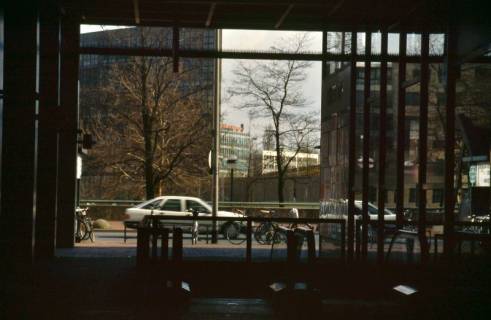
(113,288)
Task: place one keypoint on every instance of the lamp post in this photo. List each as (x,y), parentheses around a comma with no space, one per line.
(231,164)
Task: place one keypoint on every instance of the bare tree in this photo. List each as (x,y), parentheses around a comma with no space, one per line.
(273,90)
(153,124)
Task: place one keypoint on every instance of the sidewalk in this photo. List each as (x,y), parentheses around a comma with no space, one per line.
(115,226)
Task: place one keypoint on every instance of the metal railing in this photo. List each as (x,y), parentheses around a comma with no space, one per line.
(150,229)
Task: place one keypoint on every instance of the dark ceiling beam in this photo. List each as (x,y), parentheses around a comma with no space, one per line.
(334,25)
(136,9)
(209,19)
(335,8)
(400,20)
(224,54)
(307,3)
(283,16)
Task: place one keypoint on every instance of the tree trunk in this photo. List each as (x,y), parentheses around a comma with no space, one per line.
(147,137)
(281,182)
(148,164)
(279,165)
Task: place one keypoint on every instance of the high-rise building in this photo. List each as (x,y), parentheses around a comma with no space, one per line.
(335,134)
(235,148)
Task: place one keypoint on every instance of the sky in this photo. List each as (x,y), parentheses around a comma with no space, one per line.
(255,40)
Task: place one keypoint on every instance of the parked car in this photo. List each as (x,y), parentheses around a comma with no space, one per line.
(389,218)
(182,206)
(372,212)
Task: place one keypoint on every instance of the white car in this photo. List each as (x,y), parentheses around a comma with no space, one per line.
(389,218)
(372,212)
(182,206)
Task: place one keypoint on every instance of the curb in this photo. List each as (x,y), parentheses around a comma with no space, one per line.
(115,230)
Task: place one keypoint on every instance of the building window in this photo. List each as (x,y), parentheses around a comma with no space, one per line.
(412,98)
(412,195)
(437,196)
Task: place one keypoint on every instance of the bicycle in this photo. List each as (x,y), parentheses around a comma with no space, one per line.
(233,233)
(480,228)
(84,226)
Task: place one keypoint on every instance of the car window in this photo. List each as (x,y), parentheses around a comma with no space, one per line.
(195,205)
(152,205)
(372,209)
(172,205)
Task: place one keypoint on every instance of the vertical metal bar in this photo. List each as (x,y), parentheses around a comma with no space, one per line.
(452,71)
(310,245)
(164,249)
(177,245)
(423,144)
(358,239)
(382,150)
(291,253)
(291,247)
(70,34)
(175,49)
(48,134)
(366,146)
(249,240)
(139,246)
(216,140)
(401,119)
(343,241)
(352,151)
(325,183)
(155,235)
(145,244)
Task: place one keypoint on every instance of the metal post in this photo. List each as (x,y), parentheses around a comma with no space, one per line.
(423,145)
(70,34)
(249,240)
(324,185)
(231,184)
(401,118)
(216,140)
(352,151)
(382,150)
(452,72)
(164,245)
(177,245)
(366,146)
(46,200)
(175,49)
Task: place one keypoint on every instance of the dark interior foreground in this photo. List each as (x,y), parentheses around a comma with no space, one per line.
(39,100)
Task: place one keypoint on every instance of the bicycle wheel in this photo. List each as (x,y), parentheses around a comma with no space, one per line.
(90,230)
(279,237)
(232,233)
(262,232)
(83,233)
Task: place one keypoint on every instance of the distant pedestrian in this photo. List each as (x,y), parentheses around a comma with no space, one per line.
(195,229)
